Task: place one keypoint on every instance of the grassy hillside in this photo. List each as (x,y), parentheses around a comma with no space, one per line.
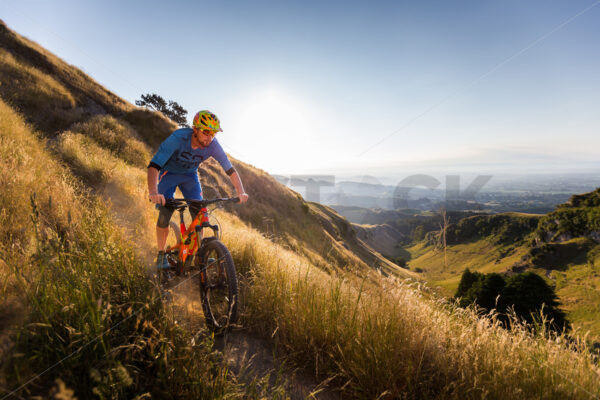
(74,282)
(53,95)
(70,281)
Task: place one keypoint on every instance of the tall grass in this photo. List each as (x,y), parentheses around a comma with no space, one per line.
(49,103)
(383,338)
(90,302)
(116,136)
(26,167)
(120,184)
(91,320)
(90,97)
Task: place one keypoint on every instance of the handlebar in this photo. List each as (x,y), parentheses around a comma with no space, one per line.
(176,203)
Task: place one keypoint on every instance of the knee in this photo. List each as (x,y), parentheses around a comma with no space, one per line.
(164,216)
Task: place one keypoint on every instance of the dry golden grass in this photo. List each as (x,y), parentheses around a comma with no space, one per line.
(150,125)
(26,84)
(385,338)
(78,83)
(120,184)
(73,290)
(26,168)
(116,136)
(27,88)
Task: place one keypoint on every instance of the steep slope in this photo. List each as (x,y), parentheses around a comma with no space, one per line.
(67,105)
(53,95)
(345,234)
(383,237)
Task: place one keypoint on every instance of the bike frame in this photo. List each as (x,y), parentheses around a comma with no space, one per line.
(188,243)
(215,265)
(188,240)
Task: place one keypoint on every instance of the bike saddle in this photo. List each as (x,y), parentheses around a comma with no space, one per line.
(175,204)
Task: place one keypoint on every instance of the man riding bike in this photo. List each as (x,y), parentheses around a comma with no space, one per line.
(176,165)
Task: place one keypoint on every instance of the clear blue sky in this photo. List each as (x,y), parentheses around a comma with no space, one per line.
(308,87)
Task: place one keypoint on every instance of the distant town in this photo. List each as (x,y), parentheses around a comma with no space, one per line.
(538,194)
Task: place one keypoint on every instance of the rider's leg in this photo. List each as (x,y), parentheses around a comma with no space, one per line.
(162,226)
(166,186)
(161,237)
(162,231)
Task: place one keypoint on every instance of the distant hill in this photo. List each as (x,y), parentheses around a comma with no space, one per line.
(562,246)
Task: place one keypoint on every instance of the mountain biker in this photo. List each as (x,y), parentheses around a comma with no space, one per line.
(176,165)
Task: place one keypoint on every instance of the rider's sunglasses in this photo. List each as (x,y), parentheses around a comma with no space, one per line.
(208,132)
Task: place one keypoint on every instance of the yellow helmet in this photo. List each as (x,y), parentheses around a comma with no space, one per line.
(206,120)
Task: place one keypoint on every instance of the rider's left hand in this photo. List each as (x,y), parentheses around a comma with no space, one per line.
(243,197)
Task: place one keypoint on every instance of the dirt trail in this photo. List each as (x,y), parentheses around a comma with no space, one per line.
(253,361)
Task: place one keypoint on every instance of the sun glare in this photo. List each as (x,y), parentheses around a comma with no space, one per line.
(273,130)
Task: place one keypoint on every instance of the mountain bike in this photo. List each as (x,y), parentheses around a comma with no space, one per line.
(208,258)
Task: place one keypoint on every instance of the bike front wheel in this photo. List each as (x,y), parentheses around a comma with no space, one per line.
(218,286)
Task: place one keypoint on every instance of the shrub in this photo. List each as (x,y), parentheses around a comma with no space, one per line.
(400,261)
(526,294)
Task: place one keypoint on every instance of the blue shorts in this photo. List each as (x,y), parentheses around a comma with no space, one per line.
(189,184)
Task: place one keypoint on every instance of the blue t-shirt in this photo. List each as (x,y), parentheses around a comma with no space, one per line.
(176,155)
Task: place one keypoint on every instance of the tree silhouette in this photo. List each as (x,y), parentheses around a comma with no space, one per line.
(170,109)
(527,294)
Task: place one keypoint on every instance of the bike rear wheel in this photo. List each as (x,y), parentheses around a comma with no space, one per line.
(218,286)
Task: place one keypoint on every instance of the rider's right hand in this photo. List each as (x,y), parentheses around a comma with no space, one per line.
(157,198)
